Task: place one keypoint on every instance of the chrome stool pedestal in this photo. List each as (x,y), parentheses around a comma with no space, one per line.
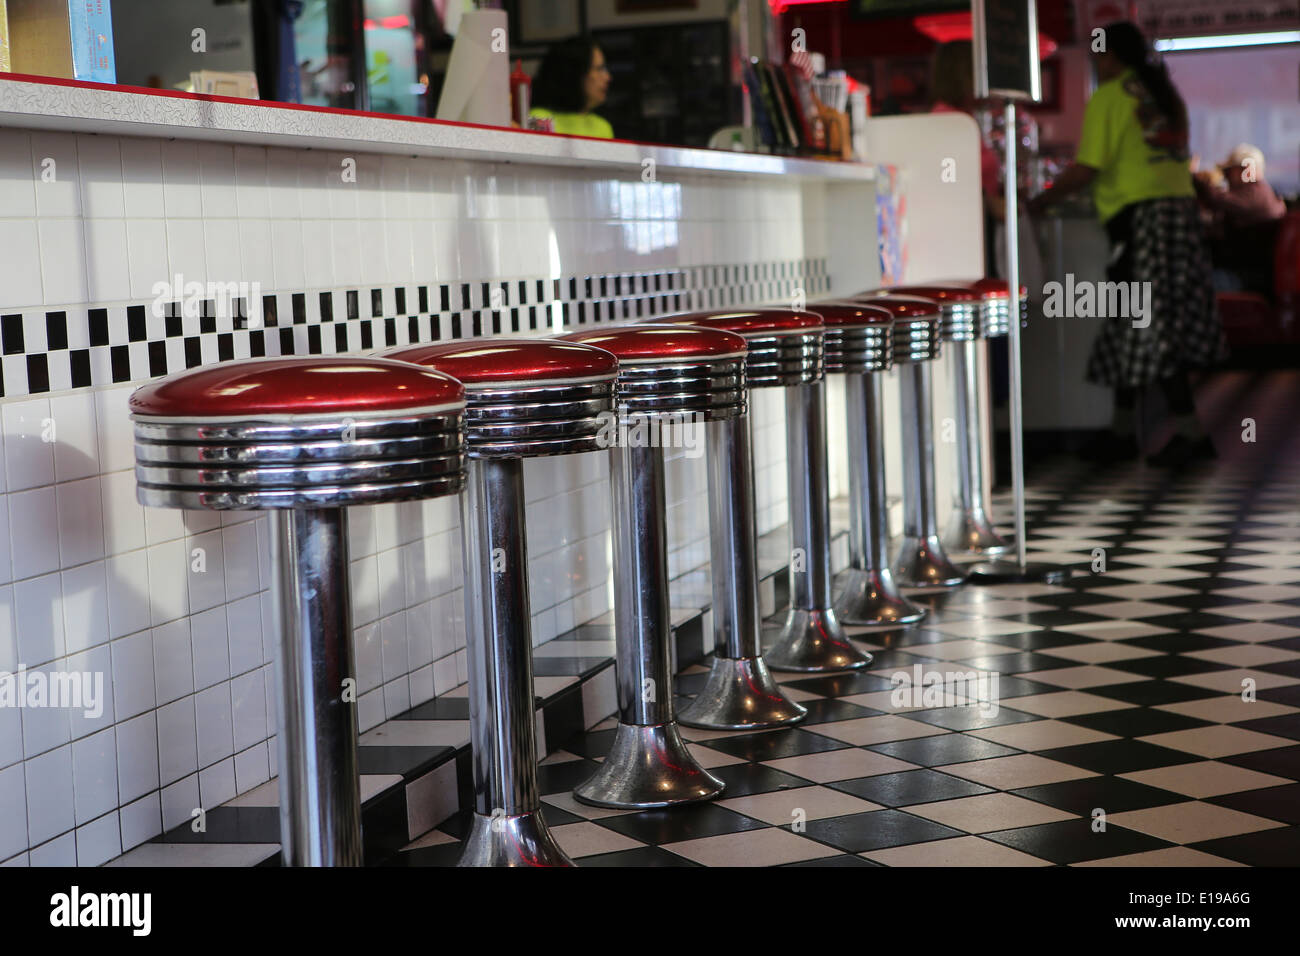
(869,596)
(304,438)
(970,528)
(668,376)
(784,349)
(524,398)
(970,531)
(920,560)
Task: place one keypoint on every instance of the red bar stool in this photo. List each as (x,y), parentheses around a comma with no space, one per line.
(304,438)
(784,349)
(667,376)
(920,560)
(862,352)
(526,398)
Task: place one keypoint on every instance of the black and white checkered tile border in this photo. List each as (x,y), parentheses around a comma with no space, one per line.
(53,350)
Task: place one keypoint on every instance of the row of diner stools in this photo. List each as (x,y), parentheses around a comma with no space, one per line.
(306,438)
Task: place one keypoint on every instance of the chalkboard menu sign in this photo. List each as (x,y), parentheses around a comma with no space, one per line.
(1006,49)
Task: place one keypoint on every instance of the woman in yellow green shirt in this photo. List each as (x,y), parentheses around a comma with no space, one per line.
(571,82)
(1133,154)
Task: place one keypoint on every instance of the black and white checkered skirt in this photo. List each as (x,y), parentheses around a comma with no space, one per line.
(1159,241)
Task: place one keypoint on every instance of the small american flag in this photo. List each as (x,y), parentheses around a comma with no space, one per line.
(802,61)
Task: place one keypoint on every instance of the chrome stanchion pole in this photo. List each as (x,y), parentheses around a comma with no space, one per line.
(320,796)
(1002,571)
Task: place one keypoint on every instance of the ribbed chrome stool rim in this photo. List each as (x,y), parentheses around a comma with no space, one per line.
(710,390)
(315,462)
(855,349)
(959,321)
(782,360)
(915,340)
(995,316)
(537,419)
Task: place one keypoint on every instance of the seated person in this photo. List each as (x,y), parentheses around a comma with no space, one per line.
(571,82)
(1242,213)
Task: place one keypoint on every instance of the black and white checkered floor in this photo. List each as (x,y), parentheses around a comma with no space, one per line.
(1146,715)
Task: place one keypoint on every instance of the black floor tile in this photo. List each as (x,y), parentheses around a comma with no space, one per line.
(909,787)
(1136,722)
(876,830)
(828,709)
(1112,794)
(440,708)
(1021,663)
(842,685)
(1118,756)
(407,761)
(1283,725)
(229,825)
(1274,803)
(590,743)
(1289,695)
(1191,621)
(1279,761)
(1044,640)
(1261,848)
(844,859)
(693,822)
(563,776)
(969,717)
(641,856)
(774,744)
(743,779)
(1285,668)
(1175,643)
(1167,665)
(1074,841)
(943,749)
(1152,693)
(890,660)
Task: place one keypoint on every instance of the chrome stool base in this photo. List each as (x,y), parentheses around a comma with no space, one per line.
(740,694)
(521,840)
(648,767)
(920,562)
(972,532)
(813,642)
(872,599)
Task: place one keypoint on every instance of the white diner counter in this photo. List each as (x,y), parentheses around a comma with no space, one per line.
(338,232)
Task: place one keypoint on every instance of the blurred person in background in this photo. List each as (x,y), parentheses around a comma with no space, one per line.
(1241,212)
(571,82)
(1133,154)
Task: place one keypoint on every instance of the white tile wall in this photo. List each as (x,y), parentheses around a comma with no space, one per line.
(171,608)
